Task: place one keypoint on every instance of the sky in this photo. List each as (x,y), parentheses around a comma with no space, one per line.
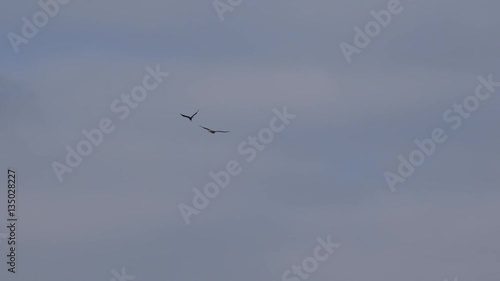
(323,176)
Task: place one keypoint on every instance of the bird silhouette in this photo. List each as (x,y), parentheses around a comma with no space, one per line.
(190,117)
(213,131)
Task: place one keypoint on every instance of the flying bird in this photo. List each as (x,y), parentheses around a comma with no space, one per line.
(213,131)
(190,117)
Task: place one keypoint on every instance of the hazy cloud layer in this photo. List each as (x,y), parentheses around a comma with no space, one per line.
(323,175)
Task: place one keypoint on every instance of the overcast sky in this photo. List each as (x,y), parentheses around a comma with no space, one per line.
(322,175)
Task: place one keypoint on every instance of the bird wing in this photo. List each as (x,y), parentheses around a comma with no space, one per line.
(221,131)
(205,128)
(195,113)
(184,116)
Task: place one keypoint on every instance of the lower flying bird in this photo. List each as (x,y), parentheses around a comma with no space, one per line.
(190,117)
(213,131)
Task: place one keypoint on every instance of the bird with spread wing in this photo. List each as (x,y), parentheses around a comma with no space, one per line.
(213,131)
(190,117)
